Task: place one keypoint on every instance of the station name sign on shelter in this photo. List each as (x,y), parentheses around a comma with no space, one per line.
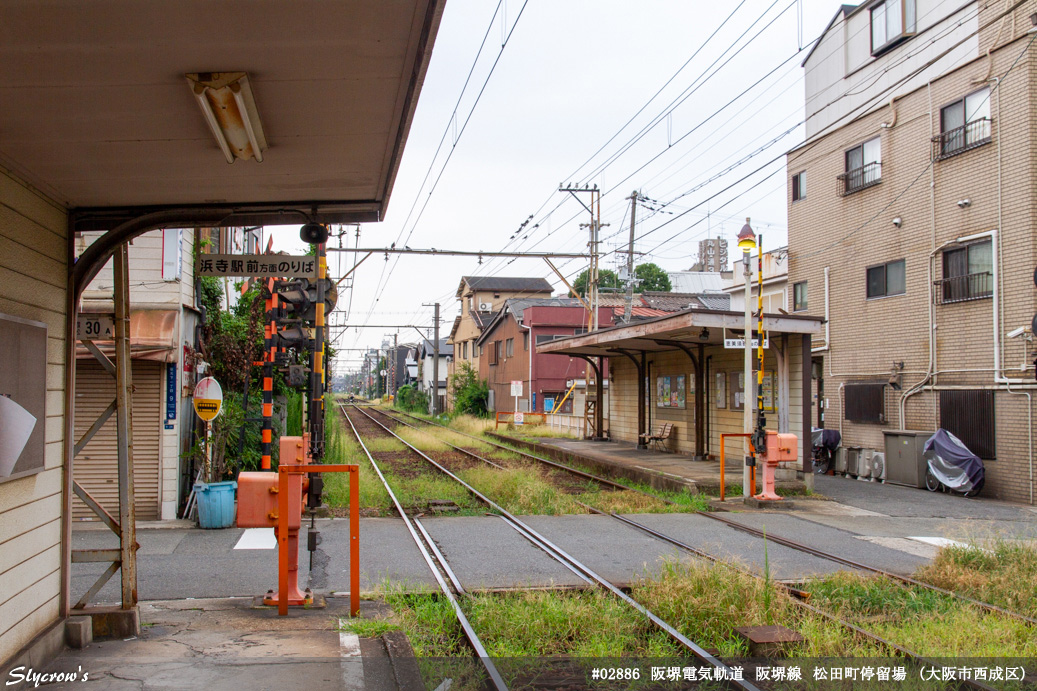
(738,343)
(257,265)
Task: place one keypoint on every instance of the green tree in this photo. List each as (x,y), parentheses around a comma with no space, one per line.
(652,278)
(409,398)
(606,279)
(471,394)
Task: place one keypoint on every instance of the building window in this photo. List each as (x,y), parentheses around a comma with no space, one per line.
(886,279)
(968,273)
(891,22)
(799,187)
(969,415)
(863,166)
(580,330)
(546,338)
(865,402)
(964,124)
(464,350)
(525,340)
(799,296)
(494,352)
(509,347)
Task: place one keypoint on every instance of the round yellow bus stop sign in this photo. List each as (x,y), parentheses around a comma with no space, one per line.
(208,398)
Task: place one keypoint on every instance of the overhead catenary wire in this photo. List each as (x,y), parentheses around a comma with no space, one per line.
(870,77)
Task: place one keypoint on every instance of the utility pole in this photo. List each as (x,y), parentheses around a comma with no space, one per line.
(435,362)
(395,358)
(595,225)
(747,242)
(628,309)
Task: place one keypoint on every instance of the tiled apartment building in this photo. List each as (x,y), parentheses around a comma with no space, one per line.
(911,226)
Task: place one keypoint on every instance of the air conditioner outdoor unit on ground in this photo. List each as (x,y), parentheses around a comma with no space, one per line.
(878,466)
(485,306)
(864,464)
(853,455)
(840,460)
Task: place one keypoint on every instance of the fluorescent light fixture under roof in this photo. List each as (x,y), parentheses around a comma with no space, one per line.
(230,110)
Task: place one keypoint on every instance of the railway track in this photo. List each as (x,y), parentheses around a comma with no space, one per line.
(755,532)
(800,597)
(443,573)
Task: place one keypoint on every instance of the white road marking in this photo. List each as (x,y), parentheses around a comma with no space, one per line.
(257,538)
(901,544)
(352,663)
(939,541)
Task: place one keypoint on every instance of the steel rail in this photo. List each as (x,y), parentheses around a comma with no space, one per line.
(777,539)
(799,596)
(469,631)
(873,569)
(799,600)
(554,464)
(696,650)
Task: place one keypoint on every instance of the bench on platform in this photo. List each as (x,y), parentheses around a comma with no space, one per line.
(662,433)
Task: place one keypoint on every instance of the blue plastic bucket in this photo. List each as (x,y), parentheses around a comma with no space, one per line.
(215,504)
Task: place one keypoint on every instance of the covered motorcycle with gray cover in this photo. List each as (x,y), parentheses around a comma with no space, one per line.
(952,465)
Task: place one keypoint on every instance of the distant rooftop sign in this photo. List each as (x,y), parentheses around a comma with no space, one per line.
(257,265)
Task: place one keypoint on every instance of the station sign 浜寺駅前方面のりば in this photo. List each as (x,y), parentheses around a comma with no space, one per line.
(257,265)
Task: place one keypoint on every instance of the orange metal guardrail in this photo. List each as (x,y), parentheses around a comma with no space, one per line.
(289,486)
(752,470)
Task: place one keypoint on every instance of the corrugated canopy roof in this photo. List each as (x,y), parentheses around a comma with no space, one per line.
(687,328)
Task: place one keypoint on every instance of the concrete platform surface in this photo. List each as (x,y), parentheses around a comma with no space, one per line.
(224,644)
(657,468)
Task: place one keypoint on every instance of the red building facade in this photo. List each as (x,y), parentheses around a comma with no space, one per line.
(508,353)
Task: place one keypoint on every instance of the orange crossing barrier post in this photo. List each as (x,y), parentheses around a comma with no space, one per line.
(267,499)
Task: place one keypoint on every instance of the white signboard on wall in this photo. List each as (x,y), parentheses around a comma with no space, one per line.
(516,387)
(172,253)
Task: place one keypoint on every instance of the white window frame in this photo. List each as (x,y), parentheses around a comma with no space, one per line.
(890,22)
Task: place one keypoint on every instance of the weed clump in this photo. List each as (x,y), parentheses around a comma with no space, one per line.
(1004,574)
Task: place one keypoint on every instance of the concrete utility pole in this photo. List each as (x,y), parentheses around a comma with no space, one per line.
(435,365)
(592,269)
(628,309)
(746,242)
(395,359)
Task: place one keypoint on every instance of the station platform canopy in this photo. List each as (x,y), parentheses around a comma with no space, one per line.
(674,331)
(101,112)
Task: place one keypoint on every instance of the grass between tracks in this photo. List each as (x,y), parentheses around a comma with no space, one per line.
(930,623)
(522,488)
(1002,573)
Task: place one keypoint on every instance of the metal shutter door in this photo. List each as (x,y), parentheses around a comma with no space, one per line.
(95,468)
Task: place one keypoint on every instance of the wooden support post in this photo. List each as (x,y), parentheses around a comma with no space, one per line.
(124,427)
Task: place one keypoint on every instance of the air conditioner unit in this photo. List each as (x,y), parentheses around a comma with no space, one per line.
(840,460)
(853,455)
(878,466)
(485,306)
(864,465)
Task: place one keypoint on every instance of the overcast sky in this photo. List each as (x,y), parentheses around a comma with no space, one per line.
(573,73)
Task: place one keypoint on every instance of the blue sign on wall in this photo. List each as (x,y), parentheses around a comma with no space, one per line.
(533,408)
(170,394)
